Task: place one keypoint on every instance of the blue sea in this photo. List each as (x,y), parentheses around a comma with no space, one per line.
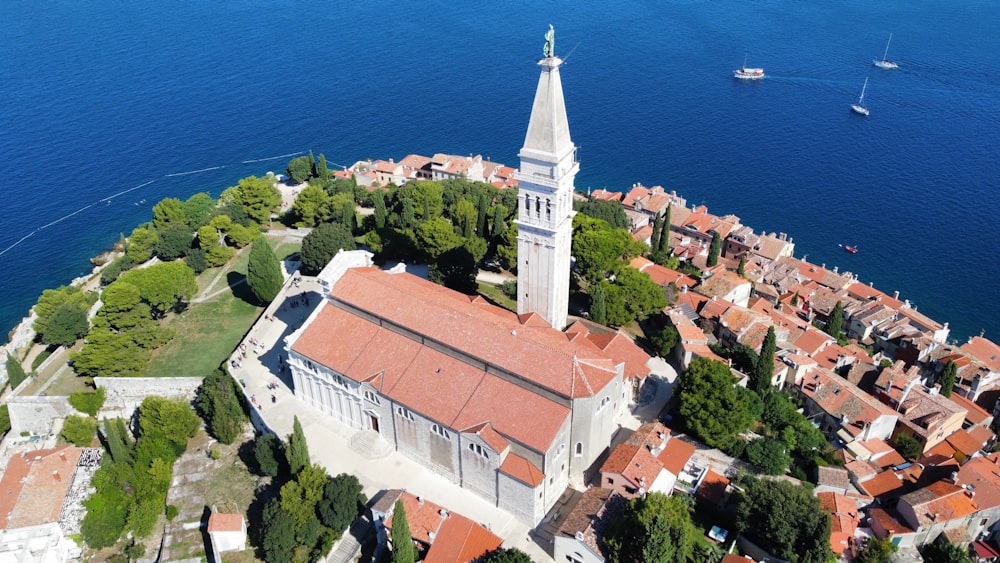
(108,107)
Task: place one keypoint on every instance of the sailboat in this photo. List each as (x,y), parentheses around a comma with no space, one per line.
(859,107)
(886,63)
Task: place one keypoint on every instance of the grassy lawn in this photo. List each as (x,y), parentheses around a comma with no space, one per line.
(206,334)
(493,293)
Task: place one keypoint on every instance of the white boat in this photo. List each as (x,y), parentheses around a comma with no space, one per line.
(886,63)
(859,108)
(746,73)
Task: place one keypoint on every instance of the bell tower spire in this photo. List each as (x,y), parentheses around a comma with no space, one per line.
(545,199)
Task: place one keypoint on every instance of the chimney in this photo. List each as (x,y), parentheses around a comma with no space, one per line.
(62,456)
(420,500)
(895,295)
(55,475)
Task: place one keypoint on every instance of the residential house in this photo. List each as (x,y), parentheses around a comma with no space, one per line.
(226,532)
(606,195)
(663,276)
(440,535)
(844,519)
(723,284)
(389,172)
(450,166)
(652,201)
(40,503)
(503,404)
(650,460)
(578,539)
(692,343)
(936,508)
(843,410)
(890,524)
(980,476)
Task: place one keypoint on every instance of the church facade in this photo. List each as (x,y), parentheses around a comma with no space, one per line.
(506,405)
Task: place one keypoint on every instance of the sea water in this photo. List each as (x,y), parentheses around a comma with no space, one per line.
(106,108)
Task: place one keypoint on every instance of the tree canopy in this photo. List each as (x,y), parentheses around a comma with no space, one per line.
(653,528)
(219,405)
(834,324)
(256,196)
(264,275)
(611,212)
(505,555)
(403,550)
(600,250)
(785,519)
(712,407)
(633,295)
(52,300)
(948,378)
(162,285)
(875,550)
(322,244)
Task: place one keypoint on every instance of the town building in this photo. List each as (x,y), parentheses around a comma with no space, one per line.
(649,461)
(227,532)
(578,539)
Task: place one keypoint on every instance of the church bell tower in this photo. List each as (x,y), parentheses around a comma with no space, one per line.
(545,199)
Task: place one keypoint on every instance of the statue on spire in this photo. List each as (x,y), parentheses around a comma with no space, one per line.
(550,43)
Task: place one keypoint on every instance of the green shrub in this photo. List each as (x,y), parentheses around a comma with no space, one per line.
(4,419)
(79,430)
(171,512)
(216,454)
(41,357)
(88,402)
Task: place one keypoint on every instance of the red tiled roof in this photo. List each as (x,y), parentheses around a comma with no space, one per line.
(633,458)
(522,470)
(981,435)
(620,348)
(844,514)
(963,442)
(888,522)
(225,523)
(675,455)
(485,332)
(490,436)
(713,487)
(34,486)
(976,414)
(423,516)
(460,540)
(983,473)
(606,195)
(983,350)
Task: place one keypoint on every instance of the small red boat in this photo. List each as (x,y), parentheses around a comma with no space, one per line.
(851,249)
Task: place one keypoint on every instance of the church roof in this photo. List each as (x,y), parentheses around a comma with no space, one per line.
(548,128)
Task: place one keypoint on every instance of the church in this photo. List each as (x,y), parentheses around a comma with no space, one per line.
(513,407)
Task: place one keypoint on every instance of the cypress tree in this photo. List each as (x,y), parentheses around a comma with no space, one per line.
(795,299)
(408,215)
(312,163)
(741,269)
(380,211)
(714,249)
(484,208)
(297,450)
(598,305)
(836,321)
(350,216)
(948,378)
(321,170)
(654,240)
(498,227)
(264,271)
(402,541)
(665,233)
(764,369)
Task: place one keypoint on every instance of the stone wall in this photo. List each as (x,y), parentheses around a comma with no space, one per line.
(36,414)
(125,394)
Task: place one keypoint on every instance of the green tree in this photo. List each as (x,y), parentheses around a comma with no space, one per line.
(256,196)
(875,550)
(785,519)
(402,541)
(654,528)
(455,269)
(322,244)
(465,216)
(742,268)
(89,402)
(482,212)
(220,407)
(341,503)
(769,455)
(945,552)
(599,249)
(381,214)
(197,260)
(300,169)
(507,247)
(278,533)
(140,244)
(198,208)
(264,271)
(763,371)
(710,404)
(268,451)
(714,249)
(300,496)
(162,285)
(110,354)
(497,226)
(948,378)
(118,441)
(15,372)
(505,555)
(167,212)
(611,212)
(428,199)
(665,233)
(349,215)
(436,236)
(907,445)
(52,299)
(322,172)
(654,240)
(4,420)
(67,325)
(665,340)
(167,422)
(79,430)
(174,241)
(297,449)
(632,296)
(598,304)
(834,324)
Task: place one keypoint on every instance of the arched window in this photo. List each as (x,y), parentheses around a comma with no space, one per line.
(548,210)
(579,449)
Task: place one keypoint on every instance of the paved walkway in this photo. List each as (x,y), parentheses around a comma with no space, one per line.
(330,441)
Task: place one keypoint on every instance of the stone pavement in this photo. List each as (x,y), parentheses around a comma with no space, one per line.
(330,441)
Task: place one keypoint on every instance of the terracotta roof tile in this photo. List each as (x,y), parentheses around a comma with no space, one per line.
(34,486)
(983,474)
(592,513)
(713,487)
(460,540)
(984,350)
(676,455)
(976,414)
(522,470)
(963,442)
(225,523)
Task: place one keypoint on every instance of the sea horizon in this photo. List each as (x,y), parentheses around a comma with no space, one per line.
(105,119)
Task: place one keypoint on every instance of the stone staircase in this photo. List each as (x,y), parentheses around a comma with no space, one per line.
(370,444)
